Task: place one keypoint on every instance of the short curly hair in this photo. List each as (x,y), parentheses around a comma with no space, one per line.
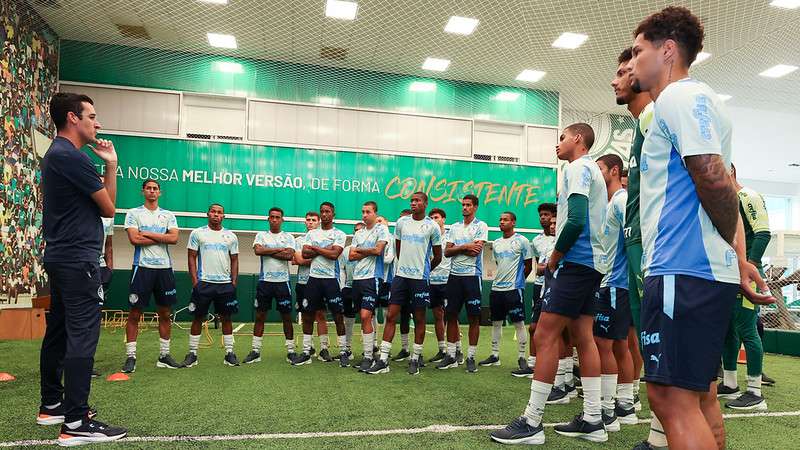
(676,23)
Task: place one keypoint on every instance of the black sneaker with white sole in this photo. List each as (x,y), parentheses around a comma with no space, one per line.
(167,362)
(492,360)
(302,359)
(55,416)
(571,390)
(190,360)
(253,357)
(459,357)
(637,403)
(748,401)
(626,416)
(527,372)
(471,366)
(767,381)
(519,432)
(379,367)
(401,356)
(413,367)
(325,355)
(290,357)
(644,445)
(579,428)
(522,363)
(727,392)
(448,362)
(130,365)
(90,431)
(95,373)
(344,359)
(366,363)
(610,421)
(231,359)
(557,397)
(438,356)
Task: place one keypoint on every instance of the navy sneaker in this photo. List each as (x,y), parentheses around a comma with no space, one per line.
(130,365)
(252,357)
(438,356)
(519,432)
(190,360)
(366,363)
(726,392)
(747,401)
(626,416)
(301,360)
(231,359)
(401,356)
(471,366)
(90,431)
(448,362)
(413,367)
(579,428)
(610,421)
(767,381)
(344,359)
(167,362)
(490,361)
(380,366)
(637,403)
(290,356)
(325,355)
(557,397)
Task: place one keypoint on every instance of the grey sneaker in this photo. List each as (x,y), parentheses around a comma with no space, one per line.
(626,416)
(303,359)
(344,359)
(130,365)
(582,429)
(527,372)
(610,421)
(366,363)
(522,363)
(727,392)
(290,356)
(471,366)
(167,362)
(401,356)
(413,367)
(438,356)
(747,401)
(519,432)
(490,361)
(252,357)
(557,397)
(459,357)
(767,381)
(448,362)
(324,355)
(190,360)
(231,359)
(380,366)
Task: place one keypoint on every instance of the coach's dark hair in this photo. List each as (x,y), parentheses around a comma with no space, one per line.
(65,102)
(513,216)
(216,204)
(472,198)
(333,208)
(151,180)
(586,132)
(421,194)
(625,56)
(676,23)
(312,214)
(612,160)
(275,208)
(549,207)
(373,204)
(438,211)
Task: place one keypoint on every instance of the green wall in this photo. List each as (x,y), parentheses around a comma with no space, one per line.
(182,71)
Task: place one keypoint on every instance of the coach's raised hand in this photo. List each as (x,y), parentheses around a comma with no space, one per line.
(104,149)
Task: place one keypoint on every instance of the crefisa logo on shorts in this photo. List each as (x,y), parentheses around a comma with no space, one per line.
(100,292)
(133,298)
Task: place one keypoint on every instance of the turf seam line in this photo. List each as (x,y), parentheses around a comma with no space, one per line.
(355,433)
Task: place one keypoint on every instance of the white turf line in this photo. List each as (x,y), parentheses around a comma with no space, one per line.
(241,325)
(357,433)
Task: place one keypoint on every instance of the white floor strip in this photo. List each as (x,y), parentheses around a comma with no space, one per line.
(357,433)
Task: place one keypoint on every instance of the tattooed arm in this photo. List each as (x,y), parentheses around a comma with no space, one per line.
(716,192)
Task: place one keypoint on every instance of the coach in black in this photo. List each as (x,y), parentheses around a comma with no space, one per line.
(74,201)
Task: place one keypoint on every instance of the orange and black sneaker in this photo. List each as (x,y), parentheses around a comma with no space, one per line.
(55,415)
(88,432)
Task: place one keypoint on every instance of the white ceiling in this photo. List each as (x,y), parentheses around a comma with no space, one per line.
(745,37)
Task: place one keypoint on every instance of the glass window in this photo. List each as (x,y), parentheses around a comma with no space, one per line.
(779,210)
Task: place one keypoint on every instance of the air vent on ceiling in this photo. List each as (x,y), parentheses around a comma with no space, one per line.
(505,159)
(133,31)
(212,137)
(480,157)
(336,53)
(48,3)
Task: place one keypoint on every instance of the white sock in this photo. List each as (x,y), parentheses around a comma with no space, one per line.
(349,323)
(497,330)
(386,347)
(569,378)
(532,362)
(754,384)
(257,340)
(451,349)
(324,342)
(307,340)
(73,425)
(342,342)
(591,399)
(657,437)
(522,339)
(163,345)
(559,382)
(729,379)
(130,349)
(442,346)
(227,341)
(417,352)
(369,343)
(636,384)
(471,350)
(458,344)
(608,391)
(535,408)
(625,395)
(194,342)
(289,345)
(404,341)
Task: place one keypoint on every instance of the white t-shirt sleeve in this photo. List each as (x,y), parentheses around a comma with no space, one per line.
(436,236)
(259,240)
(291,242)
(483,232)
(579,178)
(173,222)
(233,248)
(130,220)
(339,239)
(526,249)
(692,121)
(448,236)
(383,233)
(194,241)
(533,250)
(398,228)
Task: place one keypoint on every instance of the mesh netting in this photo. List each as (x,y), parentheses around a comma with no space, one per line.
(781,315)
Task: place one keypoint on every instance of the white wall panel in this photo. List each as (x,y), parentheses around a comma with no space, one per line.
(542,145)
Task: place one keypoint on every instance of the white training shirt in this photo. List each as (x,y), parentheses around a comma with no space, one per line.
(615,259)
(371,266)
(273,269)
(108,230)
(417,238)
(302,271)
(542,247)
(155,256)
(322,267)
(346,269)
(583,177)
(678,237)
(459,234)
(510,255)
(441,273)
(213,248)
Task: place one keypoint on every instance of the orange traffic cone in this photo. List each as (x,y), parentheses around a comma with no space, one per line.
(742,355)
(119,376)
(5,376)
